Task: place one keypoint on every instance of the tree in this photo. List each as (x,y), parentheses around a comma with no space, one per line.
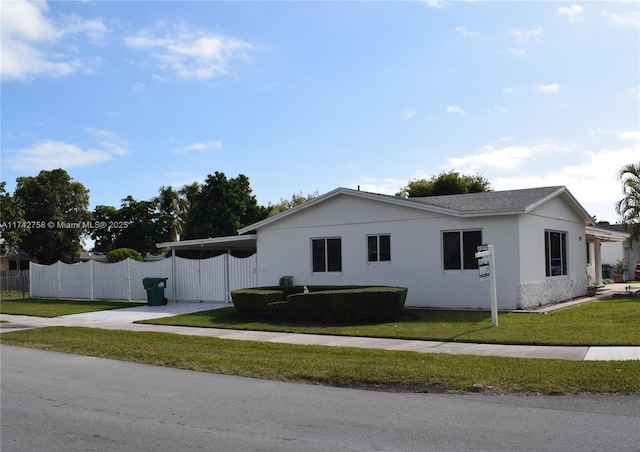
(447,183)
(121,254)
(221,207)
(11,220)
(57,207)
(629,207)
(286,204)
(141,226)
(105,232)
(174,206)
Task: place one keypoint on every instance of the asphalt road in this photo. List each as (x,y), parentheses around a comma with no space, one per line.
(60,402)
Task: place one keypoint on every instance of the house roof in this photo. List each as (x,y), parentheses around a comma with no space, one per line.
(507,202)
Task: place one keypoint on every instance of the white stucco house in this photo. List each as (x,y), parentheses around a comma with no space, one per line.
(352,237)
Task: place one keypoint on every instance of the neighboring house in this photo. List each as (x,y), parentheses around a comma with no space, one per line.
(351,237)
(12,259)
(628,250)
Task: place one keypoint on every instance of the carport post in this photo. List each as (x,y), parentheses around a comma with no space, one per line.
(173,275)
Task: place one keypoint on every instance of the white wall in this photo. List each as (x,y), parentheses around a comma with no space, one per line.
(536,288)
(284,248)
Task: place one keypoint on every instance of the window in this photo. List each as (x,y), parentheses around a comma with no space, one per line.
(459,249)
(555,253)
(378,248)
(327,255)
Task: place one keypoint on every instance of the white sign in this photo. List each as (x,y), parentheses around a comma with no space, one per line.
(484,269)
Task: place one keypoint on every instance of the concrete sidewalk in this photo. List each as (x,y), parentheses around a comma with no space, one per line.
(122,319)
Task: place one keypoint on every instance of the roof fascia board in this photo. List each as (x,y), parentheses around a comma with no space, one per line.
(210,240)
(350,192)
(568,197)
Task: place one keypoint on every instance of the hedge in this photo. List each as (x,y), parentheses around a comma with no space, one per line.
(322,303)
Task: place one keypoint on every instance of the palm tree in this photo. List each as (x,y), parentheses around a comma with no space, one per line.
(175,205)
(629,207)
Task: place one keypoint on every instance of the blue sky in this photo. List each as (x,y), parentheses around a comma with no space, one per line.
(310,96)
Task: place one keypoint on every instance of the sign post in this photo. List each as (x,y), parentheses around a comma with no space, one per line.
(487,270)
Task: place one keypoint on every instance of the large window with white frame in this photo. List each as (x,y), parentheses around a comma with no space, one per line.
(555,253)
(459,249)
(379,248)
(326,255)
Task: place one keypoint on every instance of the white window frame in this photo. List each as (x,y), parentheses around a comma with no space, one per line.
(378,259)
(326,255)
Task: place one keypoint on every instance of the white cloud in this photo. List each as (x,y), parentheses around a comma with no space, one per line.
(29,37)
(387,186)
(191,55)
(571,13)
(517,52)
(439,4)
(507,158)
(409,112)
(198,147)
(526,35)
(631,18)
(548,89)
(593,180)
(110,141)
(509,90)
(48,155)
(456,110)
(465,32)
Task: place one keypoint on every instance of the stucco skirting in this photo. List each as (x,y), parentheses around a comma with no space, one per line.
(551,291)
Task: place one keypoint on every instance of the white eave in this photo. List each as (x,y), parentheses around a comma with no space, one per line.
(229,243)
(605,235)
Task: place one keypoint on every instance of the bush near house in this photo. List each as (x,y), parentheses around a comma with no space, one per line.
(334,304)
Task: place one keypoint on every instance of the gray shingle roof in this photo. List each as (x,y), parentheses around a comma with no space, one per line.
(507,201)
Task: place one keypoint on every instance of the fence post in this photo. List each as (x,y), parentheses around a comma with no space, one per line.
(59,280)
(91,291)
(128,279)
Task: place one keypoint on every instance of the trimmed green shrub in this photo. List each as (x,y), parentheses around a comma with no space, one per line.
(335,304)
(256,302)
(370,304)
(121,254)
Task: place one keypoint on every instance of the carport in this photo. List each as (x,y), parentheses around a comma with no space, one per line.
(596,236)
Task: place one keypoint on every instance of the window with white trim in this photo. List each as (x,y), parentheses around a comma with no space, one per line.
(379,248)
(555,253)
(326,255)
(459,249)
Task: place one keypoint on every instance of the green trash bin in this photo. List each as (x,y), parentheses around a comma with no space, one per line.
(155,290)
(606,271)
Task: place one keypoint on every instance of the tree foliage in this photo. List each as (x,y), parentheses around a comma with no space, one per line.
(447,183)
(59,205)
(221,206)
(121,254)
(11,218)
(173,206)
(286,204)
(629,206)
(136,225)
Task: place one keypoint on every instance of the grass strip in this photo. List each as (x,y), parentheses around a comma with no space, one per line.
(607,322)
(340,366)
(55,308)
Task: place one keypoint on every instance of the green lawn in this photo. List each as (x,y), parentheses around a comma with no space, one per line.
(341,366)
(54,308)
(607,322)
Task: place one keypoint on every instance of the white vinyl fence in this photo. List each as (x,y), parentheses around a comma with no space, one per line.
(189,279)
